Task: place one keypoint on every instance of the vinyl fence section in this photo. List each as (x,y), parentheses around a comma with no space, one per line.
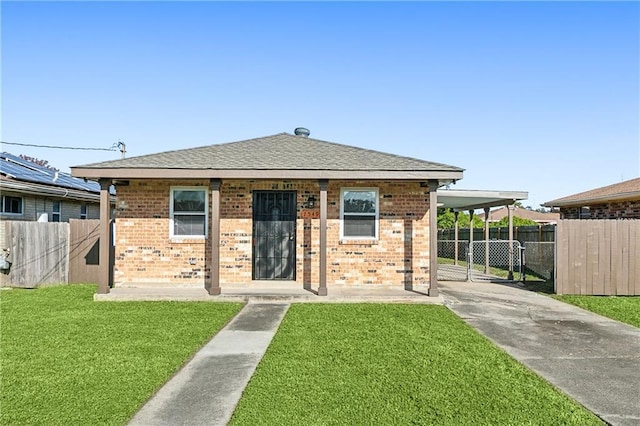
(598,257)
(50,253)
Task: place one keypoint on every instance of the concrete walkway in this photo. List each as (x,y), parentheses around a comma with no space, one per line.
(208,388)
(593,359)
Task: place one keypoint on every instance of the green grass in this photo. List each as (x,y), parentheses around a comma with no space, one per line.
(625,309)
(394,365)
(67,360)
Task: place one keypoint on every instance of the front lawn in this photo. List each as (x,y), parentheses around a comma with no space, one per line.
(67,360)
(622,308)
(394,365)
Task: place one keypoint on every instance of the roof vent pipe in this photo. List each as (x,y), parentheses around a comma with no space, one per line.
(301,131)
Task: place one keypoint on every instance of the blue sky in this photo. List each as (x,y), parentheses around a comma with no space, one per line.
(540,97)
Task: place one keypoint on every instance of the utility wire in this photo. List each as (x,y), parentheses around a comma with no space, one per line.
(113,148)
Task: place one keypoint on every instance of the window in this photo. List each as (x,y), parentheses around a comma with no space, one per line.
(57,207)
(11,205)
(584,212)
(83,211)
(359,213)
(188,212)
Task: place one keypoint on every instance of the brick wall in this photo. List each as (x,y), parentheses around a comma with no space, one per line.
(620,210)
(145,252)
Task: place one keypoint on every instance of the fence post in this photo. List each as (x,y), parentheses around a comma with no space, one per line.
(470,260)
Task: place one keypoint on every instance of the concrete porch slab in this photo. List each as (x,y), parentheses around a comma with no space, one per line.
(277,292)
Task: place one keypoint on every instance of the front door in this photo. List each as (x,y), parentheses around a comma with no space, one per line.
(274,235)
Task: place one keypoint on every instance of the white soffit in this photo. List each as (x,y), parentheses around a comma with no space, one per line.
(471,199)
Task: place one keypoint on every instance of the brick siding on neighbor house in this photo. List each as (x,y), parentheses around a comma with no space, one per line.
(620,210)
(145,253)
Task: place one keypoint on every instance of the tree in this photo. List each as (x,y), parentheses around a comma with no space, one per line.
(446,219)
(517,221)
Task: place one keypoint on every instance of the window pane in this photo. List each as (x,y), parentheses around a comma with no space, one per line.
(359,201)
(359,226)
(12,205)
(188,225)
(188,201)
(55,215)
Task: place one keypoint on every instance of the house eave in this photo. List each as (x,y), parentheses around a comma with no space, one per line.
(30,188)
(163,173)
(594,200)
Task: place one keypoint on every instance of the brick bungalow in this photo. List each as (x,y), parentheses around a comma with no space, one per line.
(277,208)
(618,201)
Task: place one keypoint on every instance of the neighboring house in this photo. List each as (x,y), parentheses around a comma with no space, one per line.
(277,208)
(33,192)
(617,201)
(541,218)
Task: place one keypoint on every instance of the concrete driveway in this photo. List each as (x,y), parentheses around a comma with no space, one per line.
(593,359)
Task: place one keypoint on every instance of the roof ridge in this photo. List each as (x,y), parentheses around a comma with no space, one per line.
(404,157)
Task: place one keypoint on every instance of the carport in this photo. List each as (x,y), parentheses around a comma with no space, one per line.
(471,200)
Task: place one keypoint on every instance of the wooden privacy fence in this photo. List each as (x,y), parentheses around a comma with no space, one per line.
(84,255)
(598,257)
(50,253)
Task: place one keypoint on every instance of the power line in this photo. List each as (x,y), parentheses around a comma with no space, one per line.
(79,148)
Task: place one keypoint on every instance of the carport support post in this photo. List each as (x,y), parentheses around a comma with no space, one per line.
(510,214)
(470,260)
(322,288)
(214,288)
(455,237)
(433,238)
(487,210)
(105,237)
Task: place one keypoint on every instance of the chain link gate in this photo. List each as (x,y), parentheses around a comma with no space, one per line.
(452,260)
(489,260)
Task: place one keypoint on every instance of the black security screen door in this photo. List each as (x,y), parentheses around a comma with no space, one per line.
(274,235)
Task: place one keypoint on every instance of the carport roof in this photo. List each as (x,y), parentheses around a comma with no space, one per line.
(471,199)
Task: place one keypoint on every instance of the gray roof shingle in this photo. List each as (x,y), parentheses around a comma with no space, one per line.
(626,189)
(278,152)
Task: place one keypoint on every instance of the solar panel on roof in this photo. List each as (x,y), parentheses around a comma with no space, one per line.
(28,171)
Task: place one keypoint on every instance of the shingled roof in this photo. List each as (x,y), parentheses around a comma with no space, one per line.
(540,217)
(301,156)
(629,189)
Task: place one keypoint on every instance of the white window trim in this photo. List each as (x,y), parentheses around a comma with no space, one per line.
(56,212)
(10,214)
(377,214)
(206,212)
